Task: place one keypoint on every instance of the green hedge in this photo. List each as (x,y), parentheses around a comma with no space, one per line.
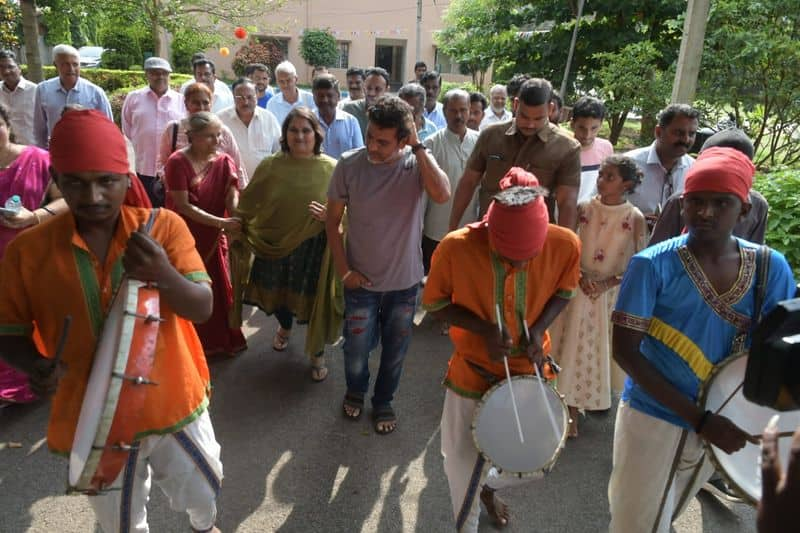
(447,85)
(111,80)
(781,188)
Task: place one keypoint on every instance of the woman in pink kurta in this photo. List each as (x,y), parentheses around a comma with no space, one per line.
(202,185)
(23,172)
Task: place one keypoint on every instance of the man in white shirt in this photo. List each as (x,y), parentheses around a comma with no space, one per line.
(665,162)
(497,106)
(451,148)
(289,96)
(255,129)
(206,72)
(432,82)
(17,95)
(145,115)
(219,88)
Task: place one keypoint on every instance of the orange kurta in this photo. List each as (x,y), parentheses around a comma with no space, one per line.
(466,272)
(48,273)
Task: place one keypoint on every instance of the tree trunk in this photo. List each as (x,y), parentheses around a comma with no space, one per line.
(647,128)
(30,30)
(616,124)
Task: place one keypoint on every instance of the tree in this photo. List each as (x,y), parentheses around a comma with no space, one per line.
(318,48)
(30,30)
(470,36)
(630,79)
(9,21)
(751,68)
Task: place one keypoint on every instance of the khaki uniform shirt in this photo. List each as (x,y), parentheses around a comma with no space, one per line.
(551,155)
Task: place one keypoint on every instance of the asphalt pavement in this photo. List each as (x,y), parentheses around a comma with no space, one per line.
(294,464)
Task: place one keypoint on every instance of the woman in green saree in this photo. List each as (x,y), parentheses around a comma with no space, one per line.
(283,215)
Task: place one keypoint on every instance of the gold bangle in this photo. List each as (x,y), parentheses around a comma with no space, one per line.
(346,275)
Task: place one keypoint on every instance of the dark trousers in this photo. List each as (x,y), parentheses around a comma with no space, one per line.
(428,247)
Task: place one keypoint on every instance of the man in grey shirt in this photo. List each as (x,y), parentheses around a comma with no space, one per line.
(382,187)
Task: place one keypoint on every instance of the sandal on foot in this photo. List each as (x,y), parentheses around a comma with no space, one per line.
(384,419)
(355,402)
(318,369)
(281,340)
(495,507)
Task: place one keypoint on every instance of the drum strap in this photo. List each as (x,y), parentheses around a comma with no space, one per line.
(151,220)
(487,376)
(762,275)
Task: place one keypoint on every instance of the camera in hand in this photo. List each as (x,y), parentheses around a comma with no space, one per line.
(772,378)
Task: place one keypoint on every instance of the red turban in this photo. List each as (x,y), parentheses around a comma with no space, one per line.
(87,141)
(518,232)
(721,169)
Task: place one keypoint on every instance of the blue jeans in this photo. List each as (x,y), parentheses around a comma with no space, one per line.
(368,317)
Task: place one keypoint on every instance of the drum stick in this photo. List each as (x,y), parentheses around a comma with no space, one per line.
(729,398)
(539,371)
(62,340)
(508,376)
(781,435)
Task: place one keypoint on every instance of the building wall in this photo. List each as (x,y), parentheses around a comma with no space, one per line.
(363,26)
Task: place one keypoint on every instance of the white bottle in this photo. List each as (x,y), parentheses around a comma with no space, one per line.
(14,204)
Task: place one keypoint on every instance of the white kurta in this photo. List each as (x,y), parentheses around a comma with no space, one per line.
(581,336)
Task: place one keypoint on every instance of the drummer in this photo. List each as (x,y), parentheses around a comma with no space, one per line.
(684,306)
(526,266)
(71,265)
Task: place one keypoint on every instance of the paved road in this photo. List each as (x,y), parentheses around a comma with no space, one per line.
(294,464)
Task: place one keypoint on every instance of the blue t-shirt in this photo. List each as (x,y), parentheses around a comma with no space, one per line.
(689,327)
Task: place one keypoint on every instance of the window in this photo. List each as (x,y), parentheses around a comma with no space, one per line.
(444,64)
(343,61)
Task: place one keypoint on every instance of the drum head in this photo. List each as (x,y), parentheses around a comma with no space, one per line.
(97,402)
(742,469)
(495,428)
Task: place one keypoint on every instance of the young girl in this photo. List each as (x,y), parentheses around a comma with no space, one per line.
(611,230)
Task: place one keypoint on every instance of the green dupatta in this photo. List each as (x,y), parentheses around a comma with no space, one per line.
(272,231)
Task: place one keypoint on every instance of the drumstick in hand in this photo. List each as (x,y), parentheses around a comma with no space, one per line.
(508,377)
(539,371)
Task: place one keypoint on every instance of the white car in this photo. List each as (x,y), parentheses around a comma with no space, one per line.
(90,56)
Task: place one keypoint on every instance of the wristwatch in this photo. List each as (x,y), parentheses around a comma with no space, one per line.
(417,147)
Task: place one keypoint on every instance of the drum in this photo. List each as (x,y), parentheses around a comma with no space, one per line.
(494,428)
(116,390)
(742,469)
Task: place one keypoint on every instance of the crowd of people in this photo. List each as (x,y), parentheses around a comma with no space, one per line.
(527,240)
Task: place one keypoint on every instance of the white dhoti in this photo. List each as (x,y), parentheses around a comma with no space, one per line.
(657,469)
(465,467)
(185,464)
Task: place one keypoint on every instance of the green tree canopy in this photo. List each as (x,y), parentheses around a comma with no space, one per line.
(318,47)
(751,68)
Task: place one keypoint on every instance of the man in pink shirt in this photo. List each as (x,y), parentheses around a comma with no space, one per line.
(145,114)
(587,117)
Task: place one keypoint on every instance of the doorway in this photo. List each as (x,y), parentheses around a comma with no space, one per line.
(390,54)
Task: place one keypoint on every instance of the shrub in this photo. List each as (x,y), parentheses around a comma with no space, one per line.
(122,49)
(267,53)
(111,80)
(781,188)
(448,85)
(318,48)
(186,43)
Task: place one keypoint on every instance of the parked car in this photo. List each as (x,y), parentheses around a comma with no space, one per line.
(90,56)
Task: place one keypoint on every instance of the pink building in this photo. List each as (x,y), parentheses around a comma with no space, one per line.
(382,33)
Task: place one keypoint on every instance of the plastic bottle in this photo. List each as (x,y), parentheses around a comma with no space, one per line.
(14,203)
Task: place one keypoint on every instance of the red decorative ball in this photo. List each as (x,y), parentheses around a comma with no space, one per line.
(240,32)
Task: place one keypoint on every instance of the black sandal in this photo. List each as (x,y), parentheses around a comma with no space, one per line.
(353,400)
(383,415)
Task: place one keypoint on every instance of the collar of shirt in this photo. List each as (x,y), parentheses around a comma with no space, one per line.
(653,159)
(22,85)
(543,133)
(339,116)
(77,88)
